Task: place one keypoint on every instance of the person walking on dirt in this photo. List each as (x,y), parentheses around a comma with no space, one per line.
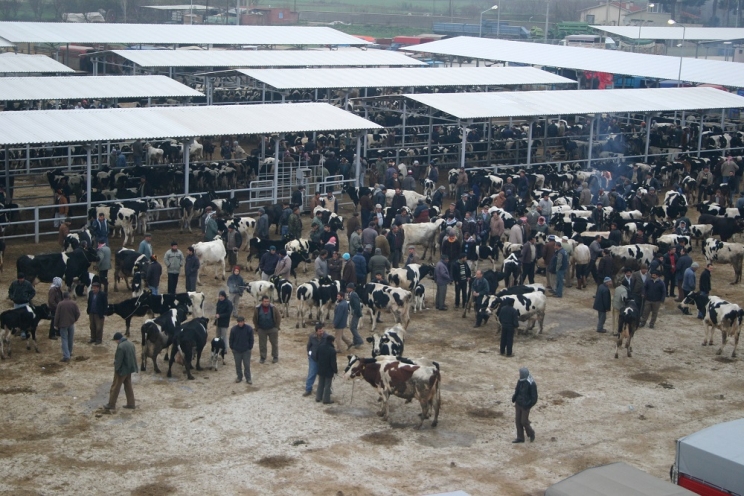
(125,364)
(327,368)
(524,398)
(97,307)
(267,322)
(603,303)
(64,322)
(241,344)
(223,312)
(315,340)
(173,260)
(191,269)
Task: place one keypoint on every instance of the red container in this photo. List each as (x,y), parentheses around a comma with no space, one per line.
(407,40)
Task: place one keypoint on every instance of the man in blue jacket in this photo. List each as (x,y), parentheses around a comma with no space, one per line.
(241,344)
(340,321)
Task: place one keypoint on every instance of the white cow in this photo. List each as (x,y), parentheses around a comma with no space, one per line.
(423,234)
(210,253)
(412,197)
(259,289)
(721,252)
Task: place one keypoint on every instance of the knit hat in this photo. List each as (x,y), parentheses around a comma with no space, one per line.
(346,256)
(378,206)
(351,285)
(607,279)
(378,251)
(222,293)
(695,265)
(117,336)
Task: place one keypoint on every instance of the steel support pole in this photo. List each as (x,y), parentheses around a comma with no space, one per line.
(263,147)
(402,135)
(88,184)
(69,159)
(700,136)
(648,137)
(7,169)
(545,140)
(591,143)
(431,131)
(28,159)
(358,164)
(529,144)
(464,144)
(186,170)
(366,139)
(276,168)
(723,115)
(488,144)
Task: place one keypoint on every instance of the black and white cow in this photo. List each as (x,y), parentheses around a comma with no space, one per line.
(719,314)
(126,263)
(729,253)
(330,219)
(701,232)
(193,336)
(130,308)
(218,351)
(529,306)
(377,297)
(284,290)
(391,342)
(316,293)
(192,206)
(161,304)
(123,219)
(667,240)
(632,256)
(45,267)
(627,324)
(74,240)
(419,298)
(409,276)
(511,269)
(158,334)
(22,319)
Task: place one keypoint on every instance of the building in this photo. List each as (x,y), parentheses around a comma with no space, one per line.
(269,17)
(610,14)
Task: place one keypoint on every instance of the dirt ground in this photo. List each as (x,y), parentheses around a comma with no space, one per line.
(212,434)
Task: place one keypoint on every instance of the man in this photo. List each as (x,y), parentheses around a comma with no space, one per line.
(366,206)
(442,278)
(683,263)
(369,234)
(450,246)
(284,219)
(704,179)
(64,230)
(523,185)
(54,297)
(97,307)
(190,270)
(211,229)
(378,264)
(670,266)
(154,272)
(461,275)
(480,291)
(355,307)
(705,284)
(654,293)
(321,265)
(496,228)
(412,257)
(99,228)
(66,315)
(223,310)
(527,258)
(104,263)
(398,201)
(298,198)
(421,212)
(173,261)
(145,246)
(235,286)
(315,340)
(688,281)
(125,364)
(595,251)
(340,321)
(524,398)
(616,236)
(317,221)
(408,183)
(582,255)
(284,265)
(548,254)
(262,225)
(381,242)
(335,265)
(360,266)
(438,198)
(545,207)
(137,157)
(395,240)
(268,262)
(605,266)
(603,303)
(355,241)
(267,322)
(62,210)
(295,224)
(637,281)
(327,368)
(241,344)
(509,320)
(462,182)
(234,241)
(558,267)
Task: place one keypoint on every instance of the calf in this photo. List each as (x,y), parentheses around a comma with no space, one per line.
(720,314)
(259,289)
(158,334)
(319,293)
(402,378)
(700,232)
(193,336)
(218,350)
(245,226)
(668,240)
(210,253)
(378,297)
(284,290)
(627,324)
(22,319)
(389,343)
(126,263)
(419,298)
(730,253)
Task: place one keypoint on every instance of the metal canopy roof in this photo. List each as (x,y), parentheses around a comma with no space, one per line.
(176,7)
(73,88)
(540,103)
(66,126)
(402,77)
(265,58)
(589,59)
(675,33)
(5,43)
(171,34)
(15,63)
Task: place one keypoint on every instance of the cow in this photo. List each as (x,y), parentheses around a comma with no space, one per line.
(667,240)
(423,234)
(45,267)
(409,276)
(299,251)
(627,325)
(720,314)
(329,218)
(521,289)
(160,304)
(126,263)
(632,256)
(402,378)
(192,206)
(412,197)
(284,290)
(85,284)
(700,232)
(356,193)
(511,268)
(378,297)
(723,227)
(429,186)
(124,219)
(22,319)
(210,253)
(257,247)
(388,343)
(193,335)
(74,240)
(218,350)
(529,306)
(130,308)
(158,334)
(259,289)
(730,253)
(419,298)
(245,226)
(319,293)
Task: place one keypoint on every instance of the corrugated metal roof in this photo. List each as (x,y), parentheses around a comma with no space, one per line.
(176,7)
(675,33)
(72,88)
(589,59)
(170,34)
(540,103)
(402,77)
(68,126)
(265,58)
(5,43)
(16,63)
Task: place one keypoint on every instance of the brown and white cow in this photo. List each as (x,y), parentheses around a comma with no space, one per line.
(401,377)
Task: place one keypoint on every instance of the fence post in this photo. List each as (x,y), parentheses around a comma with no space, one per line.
(36,224)
(69,158)
(276,167)
(88,179)
(186,155)
(358,160)
(28,158)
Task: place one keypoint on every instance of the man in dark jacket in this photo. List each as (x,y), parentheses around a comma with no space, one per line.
(235,289)
(615,237)
(460,272)
(395,240)
(524,398)
(479,292)
(654,293)
(327,368)
(222,315)
(191,269)
(360,266)
(355,309)
(298,196)
(605,267)
(509,320)
(295,224)
(340,321)
(67,313)
(527,258)
(684,263)
(670,267)
(154,271)
(442,279)
(97,308)
(267,264)
(313,343)
(241,344)
(398,201)
(705,284)
(603,303)
(21,292)
(125,364)
(267,321)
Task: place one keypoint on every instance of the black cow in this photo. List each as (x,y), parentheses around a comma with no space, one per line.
(627,325)
(357,193)
(224,207)
(284,291)
(274,212)
(722,226)
(130,308)
(22,319)
(158,334)
(257,247)
(218,351)
(193,335)
(330,219)
(126,263)
(74,240)
(316,293)
(45,267)
(161,304)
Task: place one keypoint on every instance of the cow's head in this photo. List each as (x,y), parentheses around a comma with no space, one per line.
(694,300)
(354,368)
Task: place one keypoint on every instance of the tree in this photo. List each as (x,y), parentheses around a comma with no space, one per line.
(672,5)
(9,9)
(37,6)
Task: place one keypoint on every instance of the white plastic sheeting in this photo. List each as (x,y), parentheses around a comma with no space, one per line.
(539,103)
(675,33)
(589,59)
(265,58)
(172,34)
(16,63)
(68,126)
(72,88)
(402,77)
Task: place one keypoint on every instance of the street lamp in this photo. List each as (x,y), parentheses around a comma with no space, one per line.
(725,52)
(672,22)
(480,27)
(649,6)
